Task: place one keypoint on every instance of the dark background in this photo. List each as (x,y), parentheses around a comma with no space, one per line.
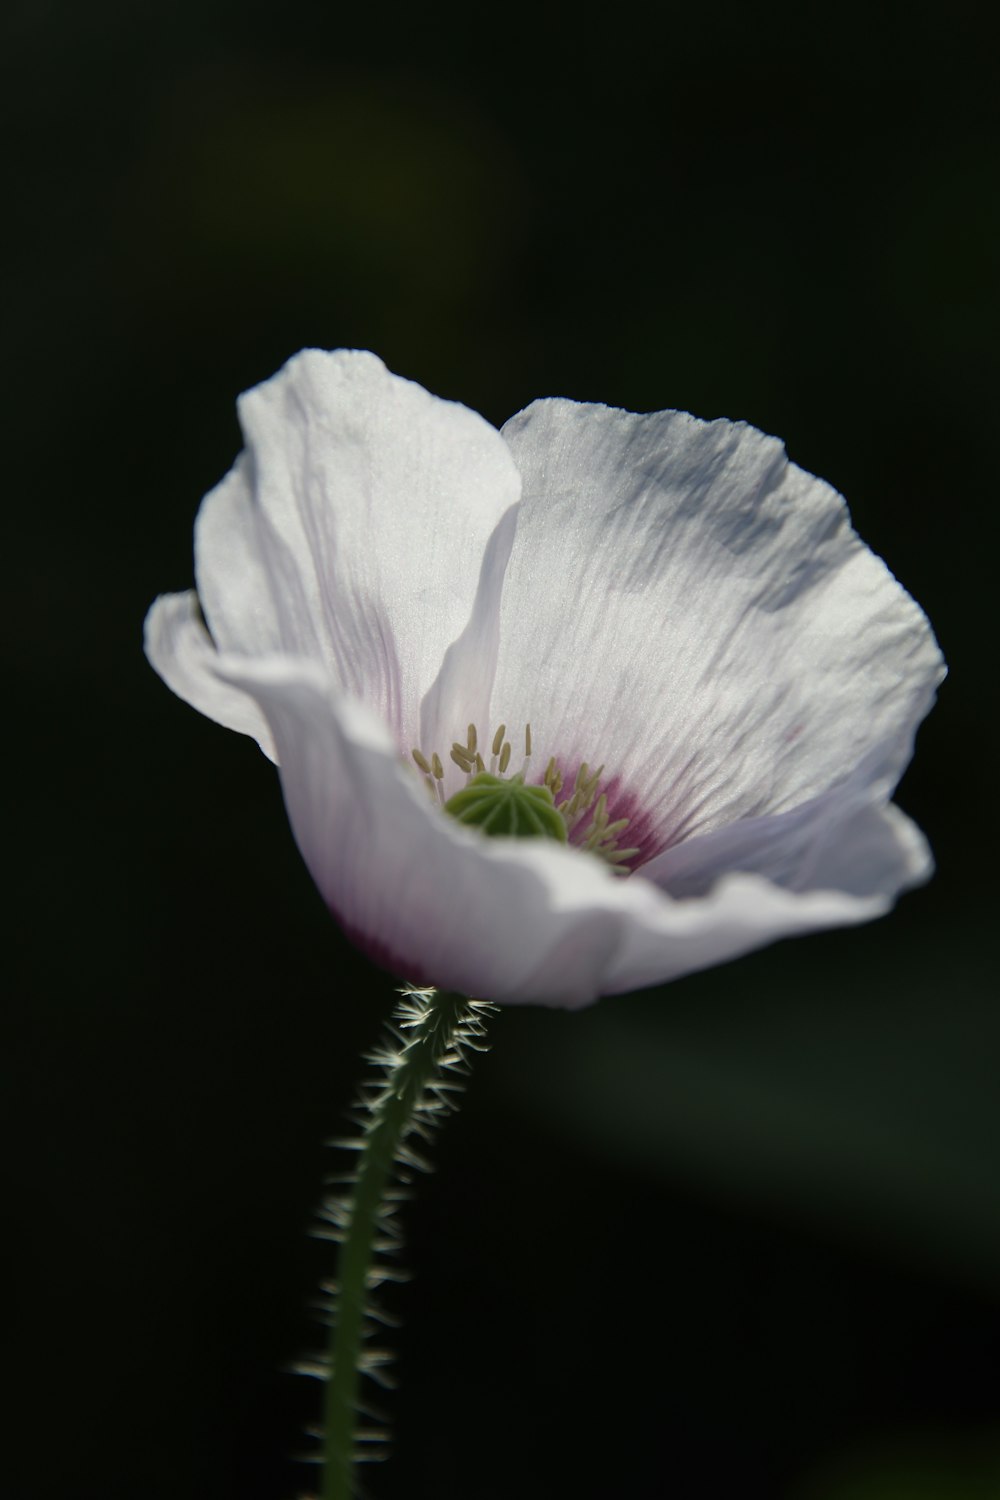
(736,1237)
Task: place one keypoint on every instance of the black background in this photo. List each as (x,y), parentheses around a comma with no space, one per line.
(738,1236)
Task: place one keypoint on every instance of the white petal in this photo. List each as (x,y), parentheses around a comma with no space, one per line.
(743,912)
(461,693)
(846,839)
(686,606)
(353,531)
(181,650)
(510,920)
(250,593)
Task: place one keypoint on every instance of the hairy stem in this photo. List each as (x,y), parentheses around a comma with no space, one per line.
(413,1092)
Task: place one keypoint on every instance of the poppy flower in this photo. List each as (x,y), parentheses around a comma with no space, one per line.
(560,710)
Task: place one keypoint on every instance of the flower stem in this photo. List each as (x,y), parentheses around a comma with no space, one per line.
(431,1033)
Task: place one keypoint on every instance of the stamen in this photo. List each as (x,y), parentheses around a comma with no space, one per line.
(527,741)
(480,763)
(436,767)
(594,779)
(498,739)
(598,827)
(472,740)
(462,758)
(552,779)
(616,856)
(505,757)
(422,762)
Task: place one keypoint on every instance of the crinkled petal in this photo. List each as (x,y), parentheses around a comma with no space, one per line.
(353,530)
(688,607)
(509,920)
(180,649)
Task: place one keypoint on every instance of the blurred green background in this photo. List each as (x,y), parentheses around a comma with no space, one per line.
(740,1236)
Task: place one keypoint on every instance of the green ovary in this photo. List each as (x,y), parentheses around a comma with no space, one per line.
(507,809)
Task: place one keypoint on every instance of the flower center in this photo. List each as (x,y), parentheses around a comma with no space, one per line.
(503,806)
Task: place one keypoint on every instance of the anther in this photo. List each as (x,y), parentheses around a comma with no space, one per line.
(594,779)
(616,856)
(527,740)
(472,739)
(498,739)
(436,767)
(505,757)
(422,762)
(462,758)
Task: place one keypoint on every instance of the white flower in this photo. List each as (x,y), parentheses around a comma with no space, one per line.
(665,601)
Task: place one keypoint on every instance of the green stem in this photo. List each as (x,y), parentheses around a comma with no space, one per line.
(412,1088)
